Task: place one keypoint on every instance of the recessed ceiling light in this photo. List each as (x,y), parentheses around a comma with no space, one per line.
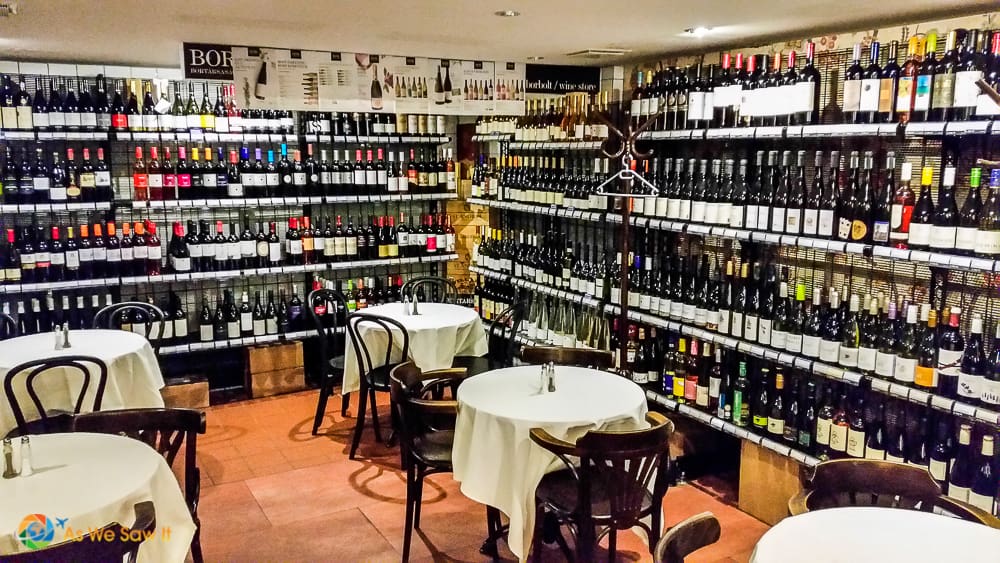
(699,31)
(507,13)
(535,58)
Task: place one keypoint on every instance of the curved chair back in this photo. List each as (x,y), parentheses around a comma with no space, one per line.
(165,430)
(113,542)
(686,537)
(502,343)
(431,289)
(141,318)
(327,310)
(379,334)
(597,359)
(418,398)
(49,421)
(8,326)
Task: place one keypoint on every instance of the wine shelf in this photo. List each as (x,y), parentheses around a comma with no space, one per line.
(701,416)
(227,274)
(10,208)
(239,342)
(277,201)
(555,145)
(731,429)
(782,357)
(486,137)
(915,129)
(930,259)
(197,135)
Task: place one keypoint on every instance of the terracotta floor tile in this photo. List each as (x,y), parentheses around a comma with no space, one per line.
(229,509)
(269,469)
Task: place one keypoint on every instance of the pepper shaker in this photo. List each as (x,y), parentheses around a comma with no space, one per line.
(8,459)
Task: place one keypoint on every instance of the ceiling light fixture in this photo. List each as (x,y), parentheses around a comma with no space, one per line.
(507,13)
(536,58)
(699,31)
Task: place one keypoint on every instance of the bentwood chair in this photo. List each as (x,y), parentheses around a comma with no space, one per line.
(501,343)
(91,372)
(426,428)
(328,310)
(687,537)
(374,372)
(141,318)
(431,289)
(866,482)
(597,359)
(8,326)
(610,487)
(165,430)
(113,542)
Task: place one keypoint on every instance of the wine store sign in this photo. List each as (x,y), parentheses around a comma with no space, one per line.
(560,79)
(208,61)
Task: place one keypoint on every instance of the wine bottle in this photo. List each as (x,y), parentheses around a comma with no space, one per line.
(922,220)
(962,471)
(945,221)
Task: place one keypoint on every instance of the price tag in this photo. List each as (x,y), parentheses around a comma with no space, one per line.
(960,262)
(786,359)
(854,248)
(940,259)
(717,133)
(982,264)
(698,229)
(827,371)
(756,350)
(918,129)
(882,251)
(918,396)
(940,403)
(770,132)
(988,416)
(789,240)
(818,130)
(920,256)
(577,214)
(967,127)
(880,385)
(889,129)
(964,409)
(793,131)
(771,355)
(851,377)
(835,246)
(780,449)
(716,423)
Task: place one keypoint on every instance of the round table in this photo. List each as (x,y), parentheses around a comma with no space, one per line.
(494,458)
(439,333)
(84,481)
(863,534)
(134,378)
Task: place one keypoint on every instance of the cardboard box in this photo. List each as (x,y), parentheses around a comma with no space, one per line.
(186,394)
(274,357)
(767,481)
(267,383)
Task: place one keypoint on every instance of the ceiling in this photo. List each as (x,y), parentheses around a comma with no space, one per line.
(147,32)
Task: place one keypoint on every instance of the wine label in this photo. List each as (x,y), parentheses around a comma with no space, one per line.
(793,221)
(887,95)
(775,426)
(922,92)
(874,453)
(838,437)
(867,359)
(989,393)
(736,325)
(698,211)
(870,94)
(750,327)
(803,94)
(944,90)
(852,95)
(904,369)
(826,222)
(966,93)
(965,238)
(722,211)
(920,234)
(949,364)
(687,312)
(880,231)
(724,317)
(737,214)
(793,342)
(823,427)
(764,331)
(779,338)
(958,493)
(904,93)
(987,243)
(844,228)
(673,208)
(941,237)
(777,219)
(848,356)
(829,351)
(855,443)
(676,308)
(983,502)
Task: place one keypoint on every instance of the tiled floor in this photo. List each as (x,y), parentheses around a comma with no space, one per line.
(273,492)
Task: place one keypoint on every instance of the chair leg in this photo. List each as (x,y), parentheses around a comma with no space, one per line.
(493,527)
(563,546)
(410,507)
(585,540)
(359,424)
(418,496)
(612,544)
(324,394)
(375,423)
(345,401)
(655,526)
(196,545)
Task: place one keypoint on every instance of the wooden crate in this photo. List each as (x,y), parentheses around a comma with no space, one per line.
(273,357)
(277,382)
(767,481)
(187,394)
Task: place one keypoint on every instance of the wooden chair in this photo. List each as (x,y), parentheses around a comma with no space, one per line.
(610,487)
(8,326)
(113,316)
(165,430)
(430,289)
(329,324)
(687,537)
(597,359)
(123,544)
(374,377)
(501,342)
(865,482)
(426,428)
(54,420)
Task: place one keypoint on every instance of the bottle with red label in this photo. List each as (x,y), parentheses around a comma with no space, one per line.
(140,177)
(154,175)
(431,236)
(169,176)
(119,120)
(902,208)
(183,173)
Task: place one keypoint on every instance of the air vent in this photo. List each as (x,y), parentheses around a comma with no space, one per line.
(598,53)
(8,9)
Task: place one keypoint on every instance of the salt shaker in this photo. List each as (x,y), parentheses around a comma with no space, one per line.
(26,464)
(58,337)
(406,305)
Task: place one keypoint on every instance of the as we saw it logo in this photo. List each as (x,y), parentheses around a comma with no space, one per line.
(37,530)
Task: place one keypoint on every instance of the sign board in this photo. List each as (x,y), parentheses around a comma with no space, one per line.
(208,61)
(561,79)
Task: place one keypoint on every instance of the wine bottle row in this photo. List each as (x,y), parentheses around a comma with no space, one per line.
(757,90)
(37,254)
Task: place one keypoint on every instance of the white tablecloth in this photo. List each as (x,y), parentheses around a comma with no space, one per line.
(92,480)
(876,535)
(494,457)
(439,333)
(134,378)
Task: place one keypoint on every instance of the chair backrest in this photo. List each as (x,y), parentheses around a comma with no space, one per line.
(113,542)
(597,359)
(624,463)
(687,537)
(8,326)
(501,344)
(865,482)
(419,401)
(325,308)
(431,289)
(363,348)
(54,367)
(165,430)
(150,322)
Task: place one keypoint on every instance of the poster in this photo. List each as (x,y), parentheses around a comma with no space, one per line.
(335,80)
(409,83)
(510,85)
(478,87)
(374,88)
(275,79)
(444,85)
